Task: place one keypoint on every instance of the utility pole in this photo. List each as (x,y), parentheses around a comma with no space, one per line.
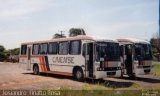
(159,19)
(61,32)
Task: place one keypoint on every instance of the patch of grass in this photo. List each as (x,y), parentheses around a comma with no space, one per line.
(94,87)
(100,87)
(135,85)
(156,70)
(63,88)
(98,90)
(111,86)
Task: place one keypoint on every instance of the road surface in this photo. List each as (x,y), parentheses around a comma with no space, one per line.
(12,77)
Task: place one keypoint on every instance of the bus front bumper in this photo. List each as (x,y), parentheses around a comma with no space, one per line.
(143,70)
(104,74)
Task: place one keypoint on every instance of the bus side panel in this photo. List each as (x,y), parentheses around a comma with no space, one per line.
(65,63)
(23,60)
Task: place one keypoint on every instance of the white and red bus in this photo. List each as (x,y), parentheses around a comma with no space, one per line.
(81,57)
(136,56)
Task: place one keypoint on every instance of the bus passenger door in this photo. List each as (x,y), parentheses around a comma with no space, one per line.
(88,50)
(29,58)
(129,59)
(122,58)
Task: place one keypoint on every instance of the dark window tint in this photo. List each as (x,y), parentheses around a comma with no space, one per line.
(143,51)
(63,48)
(84,49)
(43,48)
(23,49)
(35,50)
(53,48)
(107,50)
(75,47)
(121,50)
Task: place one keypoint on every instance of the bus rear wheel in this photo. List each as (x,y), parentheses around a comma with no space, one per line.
(36,70)
(78,74)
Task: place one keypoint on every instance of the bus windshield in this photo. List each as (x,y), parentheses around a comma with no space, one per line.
(108,51)
(144,51)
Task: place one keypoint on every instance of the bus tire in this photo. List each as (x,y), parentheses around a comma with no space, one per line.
(35,69)
(121,74)
(78,74)
(132,76)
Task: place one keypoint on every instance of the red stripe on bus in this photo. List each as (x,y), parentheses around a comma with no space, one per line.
(60,73)
(41,64)
(103,64)
(142,62)
(22,56)
(44,65)
(35,56)
(106,64)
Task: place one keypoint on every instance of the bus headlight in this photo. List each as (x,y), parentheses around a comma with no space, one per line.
(119,64)
(98,69)
(118,68)
(136,62)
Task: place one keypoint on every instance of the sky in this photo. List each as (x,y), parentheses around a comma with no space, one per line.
(32,20)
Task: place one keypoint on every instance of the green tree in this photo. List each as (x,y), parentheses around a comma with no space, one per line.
(76,31)
(12,54)
(57,35)
(2,53)
(155,42)
(14,51)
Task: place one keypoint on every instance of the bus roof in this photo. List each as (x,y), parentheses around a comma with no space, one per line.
(80,37)
(132,40)
(105,39)
(62,39)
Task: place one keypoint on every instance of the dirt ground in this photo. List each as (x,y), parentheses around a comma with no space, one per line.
(12,77)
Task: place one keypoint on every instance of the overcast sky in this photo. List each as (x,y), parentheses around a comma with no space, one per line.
(31,20)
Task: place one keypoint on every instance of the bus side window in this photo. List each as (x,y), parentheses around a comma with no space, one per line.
(63,48)
(43,48)
(75,47)
(35,49)
(52,48)
(23,49)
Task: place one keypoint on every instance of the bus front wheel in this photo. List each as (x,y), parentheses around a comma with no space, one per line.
(132,76)
(35,70)
(78,74)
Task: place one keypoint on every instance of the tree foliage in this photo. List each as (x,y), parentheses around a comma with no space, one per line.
(14,51)
(2,53)
(12,55)
(9,55)
(57,35)
(155,42)
(76,31)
